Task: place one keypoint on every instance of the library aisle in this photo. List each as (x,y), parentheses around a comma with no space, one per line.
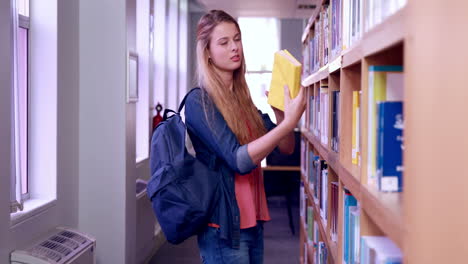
(280,245)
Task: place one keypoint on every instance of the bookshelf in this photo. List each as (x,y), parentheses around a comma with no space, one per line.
(422,217)
(427,221)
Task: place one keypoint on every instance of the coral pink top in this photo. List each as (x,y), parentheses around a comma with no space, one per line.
(251,199)
(250,196)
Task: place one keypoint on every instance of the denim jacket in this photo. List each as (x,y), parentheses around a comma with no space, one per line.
(217,146)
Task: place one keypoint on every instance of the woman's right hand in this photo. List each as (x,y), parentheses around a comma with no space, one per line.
(293,108)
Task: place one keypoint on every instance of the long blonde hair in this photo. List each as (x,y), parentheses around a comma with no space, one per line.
(235,104)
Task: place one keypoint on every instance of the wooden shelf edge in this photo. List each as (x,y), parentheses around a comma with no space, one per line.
(281,168)
(319,75)
(385,210)
(351,182)
(353,55)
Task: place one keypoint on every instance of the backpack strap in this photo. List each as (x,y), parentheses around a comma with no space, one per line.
(167,112)
(182,104)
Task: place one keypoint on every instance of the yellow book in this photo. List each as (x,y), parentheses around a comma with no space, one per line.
(355,124)
(286,71)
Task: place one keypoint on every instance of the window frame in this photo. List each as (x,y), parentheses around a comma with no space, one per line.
(24,23)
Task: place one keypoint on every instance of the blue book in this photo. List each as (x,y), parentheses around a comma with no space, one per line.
(311,169)
(390,146)
(349,201)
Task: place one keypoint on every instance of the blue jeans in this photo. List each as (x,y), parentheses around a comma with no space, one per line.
(214,250)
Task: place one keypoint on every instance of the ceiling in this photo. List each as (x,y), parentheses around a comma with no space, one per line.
(262,8)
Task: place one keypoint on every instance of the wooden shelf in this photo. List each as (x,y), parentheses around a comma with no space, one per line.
(316,77)
(281,168)
(385,209)
(352,55)
(351,180)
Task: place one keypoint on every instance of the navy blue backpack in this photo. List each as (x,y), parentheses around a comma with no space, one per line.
(183,190)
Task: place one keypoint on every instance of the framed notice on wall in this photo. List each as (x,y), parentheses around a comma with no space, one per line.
(132,77)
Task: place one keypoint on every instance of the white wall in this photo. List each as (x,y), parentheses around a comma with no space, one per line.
(183,49)
(143,111)
(291,34)
(160,53)
(173,52)
(68,146)
(5,133)
(105,193)
(192,50)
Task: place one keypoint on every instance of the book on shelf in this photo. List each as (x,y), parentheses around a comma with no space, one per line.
(335,142)
(302,197)
(286,71)
(310,224)
(385,84)
(316,240)
(379,249)
(390,146)
(378,10)
(324,117)
(311,176)
(336,21)
(324,195)
(355,132)
(354,236)
(318,189)
(348,201)
(311,113)
(323,253)
(304,149)
(334,211)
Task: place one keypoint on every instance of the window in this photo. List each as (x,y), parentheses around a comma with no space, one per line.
(22,94)
(260,39)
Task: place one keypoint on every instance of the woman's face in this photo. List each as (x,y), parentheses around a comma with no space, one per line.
(226,47)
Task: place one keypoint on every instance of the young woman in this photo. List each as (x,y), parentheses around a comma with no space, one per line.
(230,135)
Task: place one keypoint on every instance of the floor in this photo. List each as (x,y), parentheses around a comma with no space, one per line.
(280,245)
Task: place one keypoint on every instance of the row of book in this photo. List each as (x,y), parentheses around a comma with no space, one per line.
(378,10)
(351,228)
(356,248)
(385,126)
(313,239)
(319,116)
(341,24)
(364,249)
(316,52)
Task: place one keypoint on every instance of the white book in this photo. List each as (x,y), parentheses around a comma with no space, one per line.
(382,248)
(345,25)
